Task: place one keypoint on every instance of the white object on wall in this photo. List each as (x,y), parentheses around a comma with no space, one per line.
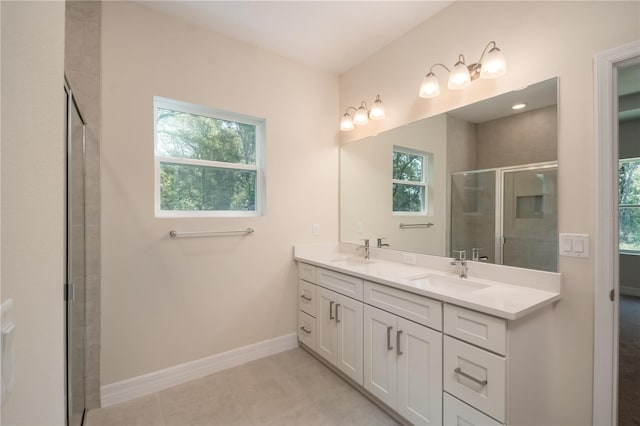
(574,245)
(8,332)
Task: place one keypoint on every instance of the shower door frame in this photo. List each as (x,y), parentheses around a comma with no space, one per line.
(500,172)
(70,104)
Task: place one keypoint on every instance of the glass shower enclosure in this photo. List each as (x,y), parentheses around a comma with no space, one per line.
(75,276)
(507,216)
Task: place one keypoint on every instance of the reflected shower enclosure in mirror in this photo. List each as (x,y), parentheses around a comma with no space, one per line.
(479,177)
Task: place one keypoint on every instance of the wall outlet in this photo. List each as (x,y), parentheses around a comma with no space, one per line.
(359,227)
(316,229)
(409,258)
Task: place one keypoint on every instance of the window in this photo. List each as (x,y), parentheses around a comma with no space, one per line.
(409,181)
(207,162)
(629,187)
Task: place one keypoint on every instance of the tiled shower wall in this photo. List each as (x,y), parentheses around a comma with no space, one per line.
(82,68)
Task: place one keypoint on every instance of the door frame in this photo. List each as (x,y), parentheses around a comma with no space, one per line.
(606,259)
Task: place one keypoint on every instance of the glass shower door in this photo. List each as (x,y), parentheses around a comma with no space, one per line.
(473,214)
(530,218)
(75,268)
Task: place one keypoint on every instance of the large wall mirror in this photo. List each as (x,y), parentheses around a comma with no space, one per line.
(481,178)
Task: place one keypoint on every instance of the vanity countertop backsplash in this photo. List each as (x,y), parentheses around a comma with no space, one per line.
(502,291)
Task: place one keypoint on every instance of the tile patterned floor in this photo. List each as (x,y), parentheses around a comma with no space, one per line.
(289,388)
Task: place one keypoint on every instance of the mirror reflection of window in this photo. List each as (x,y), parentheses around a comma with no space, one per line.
(409,183)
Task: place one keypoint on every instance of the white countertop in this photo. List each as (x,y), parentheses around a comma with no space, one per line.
(499,298)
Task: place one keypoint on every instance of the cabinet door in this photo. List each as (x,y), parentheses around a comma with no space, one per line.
(419,373)
(348,313)
(380,368)
(325,324)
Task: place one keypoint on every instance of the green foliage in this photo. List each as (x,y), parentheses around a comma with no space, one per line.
(199,187)
(410,168)
(629,187)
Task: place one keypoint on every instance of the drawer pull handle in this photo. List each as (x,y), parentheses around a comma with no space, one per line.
(389,347)
(331,310)
(337,319)
(308,299)
(305,330)
(473,379)
(398,351)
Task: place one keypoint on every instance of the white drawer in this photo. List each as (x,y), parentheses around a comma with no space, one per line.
(475,376)
(307,297)
(307,272)
(340,283)
(479,329)
(457,413)
(411,306)
(307,329)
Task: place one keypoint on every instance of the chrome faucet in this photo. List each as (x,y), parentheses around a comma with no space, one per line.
(461,262)
(381,244)
(365,246)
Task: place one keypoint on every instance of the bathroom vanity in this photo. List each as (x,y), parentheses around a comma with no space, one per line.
(435,348)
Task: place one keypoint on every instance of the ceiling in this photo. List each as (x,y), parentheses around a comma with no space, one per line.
(332,36)
(535,96)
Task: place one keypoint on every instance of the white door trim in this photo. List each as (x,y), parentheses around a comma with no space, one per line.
(605,349)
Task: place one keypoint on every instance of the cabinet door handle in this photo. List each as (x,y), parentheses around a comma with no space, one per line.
(398,351)
(305,330)
(337,319)
(308,299)
(459,372)
(389,347)
(331,310)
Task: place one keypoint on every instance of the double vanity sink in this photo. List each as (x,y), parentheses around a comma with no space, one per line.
(426,344)
(505,292)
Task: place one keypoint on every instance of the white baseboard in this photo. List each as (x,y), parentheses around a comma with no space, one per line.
(135,387)
(630,291)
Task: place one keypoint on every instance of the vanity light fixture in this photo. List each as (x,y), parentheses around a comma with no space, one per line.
(362,115)
(490,66)
(518,106)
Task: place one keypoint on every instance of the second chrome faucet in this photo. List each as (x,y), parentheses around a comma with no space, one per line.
(461,261)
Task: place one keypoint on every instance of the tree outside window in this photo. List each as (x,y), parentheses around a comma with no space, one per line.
(629,187)
(205,163)
(409,181)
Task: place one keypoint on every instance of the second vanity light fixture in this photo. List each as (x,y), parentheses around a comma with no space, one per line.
(362,115)
(490,66)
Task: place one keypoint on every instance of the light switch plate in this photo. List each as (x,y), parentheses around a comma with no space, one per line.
(574,245)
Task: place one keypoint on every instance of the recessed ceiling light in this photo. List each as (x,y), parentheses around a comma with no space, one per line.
(518,106)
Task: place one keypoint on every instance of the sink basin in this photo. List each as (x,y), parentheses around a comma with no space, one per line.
(352,261)
(442,283)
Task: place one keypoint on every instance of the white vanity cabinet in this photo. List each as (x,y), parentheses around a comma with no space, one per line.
(339,332)
(402,365)
(431,361)
(496,371)
(330,319)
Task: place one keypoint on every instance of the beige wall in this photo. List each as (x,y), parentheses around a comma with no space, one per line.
(166,302)
(540,41)
(33,206)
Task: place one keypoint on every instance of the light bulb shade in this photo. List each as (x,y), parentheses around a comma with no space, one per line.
(493,65)
(459,77)
(377,109)
(430,87)
(361,117)
(346,123)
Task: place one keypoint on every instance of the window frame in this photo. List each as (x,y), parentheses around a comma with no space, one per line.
(427,159)
(259,167)
(626,206)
